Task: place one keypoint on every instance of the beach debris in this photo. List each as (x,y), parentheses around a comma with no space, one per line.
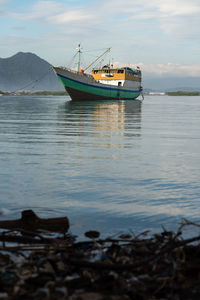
(92,234)
(162,266)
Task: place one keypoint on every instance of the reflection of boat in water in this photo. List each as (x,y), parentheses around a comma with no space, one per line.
(107,83)
(123,107)
(105,123)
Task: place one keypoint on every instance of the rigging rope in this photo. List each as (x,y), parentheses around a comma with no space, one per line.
(33,81)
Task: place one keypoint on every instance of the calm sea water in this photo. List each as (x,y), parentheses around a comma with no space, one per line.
(109,166)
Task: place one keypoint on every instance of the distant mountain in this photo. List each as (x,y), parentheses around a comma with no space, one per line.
(27,71)
(166,84)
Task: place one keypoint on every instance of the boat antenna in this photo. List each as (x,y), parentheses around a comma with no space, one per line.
(107,50)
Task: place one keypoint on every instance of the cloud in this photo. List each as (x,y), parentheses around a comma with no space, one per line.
(175,18)
(168,69)
(39,11)
(71,16)
(3,1)
(2,7)
(171,17)
(157,8)
(19,28)
(177,7)
(182,28)
(53,12)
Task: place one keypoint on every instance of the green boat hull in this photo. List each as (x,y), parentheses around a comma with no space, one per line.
(84,87)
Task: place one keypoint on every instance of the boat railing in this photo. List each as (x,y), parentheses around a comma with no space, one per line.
(81,74)
(78,73)
(68,69)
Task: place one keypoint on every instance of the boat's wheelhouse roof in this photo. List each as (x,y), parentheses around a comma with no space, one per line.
(107,69)
(109,73)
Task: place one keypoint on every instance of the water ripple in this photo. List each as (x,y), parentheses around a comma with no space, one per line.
(106,165)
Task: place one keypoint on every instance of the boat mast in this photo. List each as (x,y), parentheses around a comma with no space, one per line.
(107,50)
(79,57)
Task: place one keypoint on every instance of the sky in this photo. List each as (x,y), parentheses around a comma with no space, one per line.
(161,36)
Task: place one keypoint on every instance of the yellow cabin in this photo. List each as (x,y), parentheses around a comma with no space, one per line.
(116,76)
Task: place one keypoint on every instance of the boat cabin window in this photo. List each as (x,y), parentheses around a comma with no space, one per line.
(120,71)
(119,83)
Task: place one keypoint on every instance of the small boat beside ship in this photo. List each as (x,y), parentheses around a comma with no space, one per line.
(106,83)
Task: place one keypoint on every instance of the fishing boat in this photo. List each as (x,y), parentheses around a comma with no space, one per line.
(105,83)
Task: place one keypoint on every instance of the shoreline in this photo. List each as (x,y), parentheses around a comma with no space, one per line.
(40,265)
(64,93)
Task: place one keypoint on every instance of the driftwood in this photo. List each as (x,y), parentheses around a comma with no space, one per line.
(31,222)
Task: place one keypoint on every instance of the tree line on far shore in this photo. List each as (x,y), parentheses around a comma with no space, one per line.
(183,93)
